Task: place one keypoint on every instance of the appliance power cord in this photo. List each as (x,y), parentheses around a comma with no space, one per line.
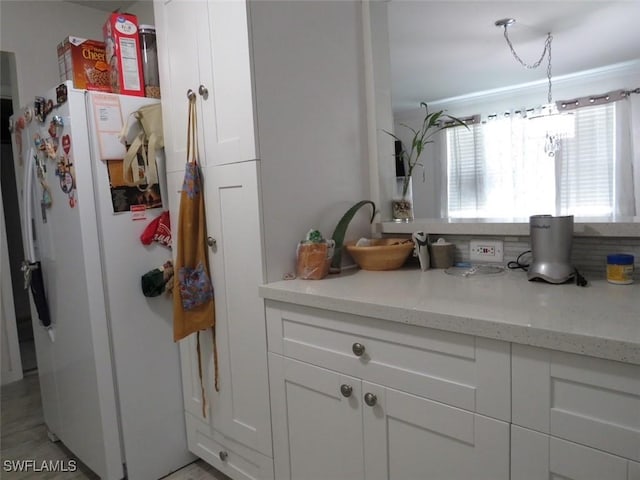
(517,264)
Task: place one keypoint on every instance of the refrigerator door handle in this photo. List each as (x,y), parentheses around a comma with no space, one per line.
(27,202)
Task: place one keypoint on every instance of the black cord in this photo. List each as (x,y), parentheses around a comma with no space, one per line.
(514,265)
(580,280)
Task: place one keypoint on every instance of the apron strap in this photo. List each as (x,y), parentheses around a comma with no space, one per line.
(192,134)
(215,368)
(203,396)
(215,358)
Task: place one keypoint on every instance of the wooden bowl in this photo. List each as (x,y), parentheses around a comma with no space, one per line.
(382,254)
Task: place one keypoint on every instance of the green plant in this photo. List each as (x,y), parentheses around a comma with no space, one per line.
(432,124)
(341,230)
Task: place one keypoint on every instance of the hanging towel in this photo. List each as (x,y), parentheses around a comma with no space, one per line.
(193,303)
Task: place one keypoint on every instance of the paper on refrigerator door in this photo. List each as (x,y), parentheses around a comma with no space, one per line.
(107,114)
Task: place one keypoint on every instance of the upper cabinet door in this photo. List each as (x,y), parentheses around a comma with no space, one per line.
(232,116)
(204,47)
(184,57)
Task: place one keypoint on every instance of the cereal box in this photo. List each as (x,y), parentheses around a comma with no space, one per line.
(84,62)
(122,44)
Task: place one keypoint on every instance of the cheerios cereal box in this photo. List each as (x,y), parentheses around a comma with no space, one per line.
(122,44)
(84,62)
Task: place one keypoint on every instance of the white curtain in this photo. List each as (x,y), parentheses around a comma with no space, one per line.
(624,198)
(586,164)
(633,105)
(500,169)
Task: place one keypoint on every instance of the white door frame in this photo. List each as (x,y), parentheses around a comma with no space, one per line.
(9,345)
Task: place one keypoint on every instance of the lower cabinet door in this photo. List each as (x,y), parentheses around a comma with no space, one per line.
(241,408)
(329,426)
(410,437)
(537,456)
(317,422)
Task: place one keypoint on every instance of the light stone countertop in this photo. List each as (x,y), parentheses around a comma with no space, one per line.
(601,320)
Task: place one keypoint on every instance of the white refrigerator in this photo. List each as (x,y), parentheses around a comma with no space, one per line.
(109,369)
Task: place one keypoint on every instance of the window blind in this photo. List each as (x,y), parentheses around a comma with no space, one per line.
(499,168)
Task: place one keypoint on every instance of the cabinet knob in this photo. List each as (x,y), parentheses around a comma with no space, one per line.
(358,349)
(370,399)
(223,455)
(346,390)
(212,242)
(203,91)
(191,95)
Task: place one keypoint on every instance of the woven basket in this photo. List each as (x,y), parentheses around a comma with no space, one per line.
(382,254)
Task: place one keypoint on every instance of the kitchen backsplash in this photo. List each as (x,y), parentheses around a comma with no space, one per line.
(589,254)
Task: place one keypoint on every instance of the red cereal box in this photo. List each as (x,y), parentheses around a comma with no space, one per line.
(122,45)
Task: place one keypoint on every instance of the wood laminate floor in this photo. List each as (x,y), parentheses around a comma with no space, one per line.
(24,437)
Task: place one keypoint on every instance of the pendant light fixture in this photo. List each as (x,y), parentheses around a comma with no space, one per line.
(553,125)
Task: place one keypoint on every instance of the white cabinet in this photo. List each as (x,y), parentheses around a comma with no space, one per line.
(408,437)
(317,428)
(252,82)
(331,426)
(240,411)
(590,401)
(236,260)
(463,371)
(228,456)
(537,456)
(331,420)
(204,47)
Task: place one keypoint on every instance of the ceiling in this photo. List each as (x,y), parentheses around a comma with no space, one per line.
(105,5)
(444,49)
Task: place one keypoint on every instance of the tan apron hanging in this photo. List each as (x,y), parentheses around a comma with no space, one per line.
(193,303)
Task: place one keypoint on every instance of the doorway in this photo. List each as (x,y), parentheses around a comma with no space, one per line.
(12,218)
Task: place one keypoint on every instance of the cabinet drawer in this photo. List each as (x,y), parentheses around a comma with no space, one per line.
(587,400)
(537,456)
(468,372)
(231,458)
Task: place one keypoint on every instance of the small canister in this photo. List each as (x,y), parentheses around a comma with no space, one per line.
(620,268)
(442,253)
(149,53)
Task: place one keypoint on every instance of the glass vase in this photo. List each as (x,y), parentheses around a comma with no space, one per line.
(402,200)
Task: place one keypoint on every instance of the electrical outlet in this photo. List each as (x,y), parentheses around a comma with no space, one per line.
(486,251)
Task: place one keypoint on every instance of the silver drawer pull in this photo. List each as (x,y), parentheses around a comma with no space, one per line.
(370,399)
(191,95)
(212,242)
(203,91)
(358,349)
(346,390)
(223,455)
